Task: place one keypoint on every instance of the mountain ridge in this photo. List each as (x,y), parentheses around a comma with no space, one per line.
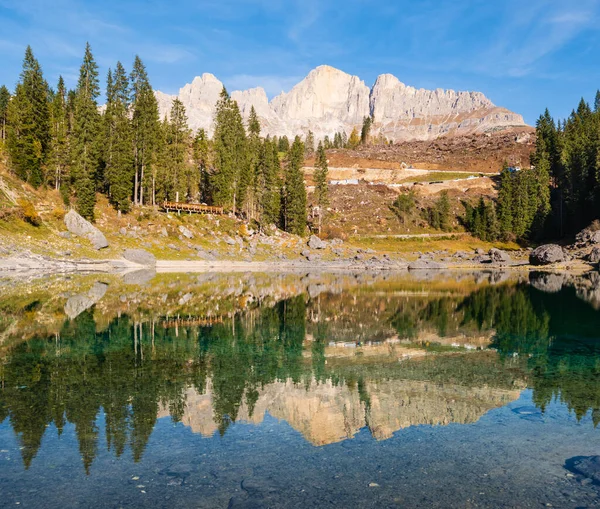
(329,100)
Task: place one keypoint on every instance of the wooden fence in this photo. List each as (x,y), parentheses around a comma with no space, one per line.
(171,206)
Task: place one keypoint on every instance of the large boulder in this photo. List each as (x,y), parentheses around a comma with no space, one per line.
(81,227)
(547,255)
(499,256)
(140,256)
(316,243)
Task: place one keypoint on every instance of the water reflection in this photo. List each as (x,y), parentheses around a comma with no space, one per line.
(331,359)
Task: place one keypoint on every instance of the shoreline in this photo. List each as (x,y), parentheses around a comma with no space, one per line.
(40,264)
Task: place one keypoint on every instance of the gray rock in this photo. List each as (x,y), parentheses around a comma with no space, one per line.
(186,298)
(588,236)
(164,232)
(81,227)
(65,235)
(499,256)
(587,467)
(229,241)
(173,247)
(123,231)
(424,264)
(547,255)
(140,256)
(305,253)
(79,303)
(315,242)
(482,259)
(313,257)
(594,256)
(186,232)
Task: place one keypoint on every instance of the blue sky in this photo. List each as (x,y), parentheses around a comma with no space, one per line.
(523,55)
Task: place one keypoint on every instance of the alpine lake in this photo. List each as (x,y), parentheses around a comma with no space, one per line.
(248,390)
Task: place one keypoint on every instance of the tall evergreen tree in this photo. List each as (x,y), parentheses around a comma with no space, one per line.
(201,158)
(85,148)
(321,187)
(182,180)
(59,146)
(294,208)
(268,183)
(29,120)
(4,100)
(231,162)
(145,127)
(251,202)
(118,139)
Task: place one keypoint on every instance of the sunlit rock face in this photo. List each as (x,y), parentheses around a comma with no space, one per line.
(329,100)
(325,413)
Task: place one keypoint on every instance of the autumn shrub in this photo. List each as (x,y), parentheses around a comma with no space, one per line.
(29,213)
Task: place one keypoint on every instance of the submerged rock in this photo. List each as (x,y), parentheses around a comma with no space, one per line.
(547,255)
(588,467)
(81,227)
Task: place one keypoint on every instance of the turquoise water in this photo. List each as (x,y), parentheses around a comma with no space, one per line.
(301,391)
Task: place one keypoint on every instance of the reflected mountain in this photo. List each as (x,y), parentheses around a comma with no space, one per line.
(328,355)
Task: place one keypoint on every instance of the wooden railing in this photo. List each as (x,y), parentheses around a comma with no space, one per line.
(191,207)
(171,323)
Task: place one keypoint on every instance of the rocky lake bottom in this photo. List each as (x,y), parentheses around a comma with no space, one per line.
(441,389)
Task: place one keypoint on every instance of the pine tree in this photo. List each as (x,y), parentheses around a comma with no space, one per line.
(321,187)
(59,146)
(327,142)
(4,100)
(597,102)
(201,158)
(180,182)
(231,163)
(354,140)
(118,139)
(505,205)
(85,149)
(295,190)
(366,130)
(29,120)
(268,183)
(254,147)
(309,144)
(284,144)
(145,126)
(344,139)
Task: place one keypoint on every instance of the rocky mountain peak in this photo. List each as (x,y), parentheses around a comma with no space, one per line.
(329,100)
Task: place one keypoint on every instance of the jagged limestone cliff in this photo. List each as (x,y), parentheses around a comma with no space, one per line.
(329,100)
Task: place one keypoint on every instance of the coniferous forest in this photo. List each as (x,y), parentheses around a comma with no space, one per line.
(62,139)
(559,195)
